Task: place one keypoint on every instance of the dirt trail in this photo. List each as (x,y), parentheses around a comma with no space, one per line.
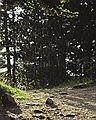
(82,98)
(77,104)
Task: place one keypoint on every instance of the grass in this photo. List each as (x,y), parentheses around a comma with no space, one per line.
(17,93)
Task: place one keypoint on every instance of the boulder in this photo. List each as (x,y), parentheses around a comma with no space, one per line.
(8,101)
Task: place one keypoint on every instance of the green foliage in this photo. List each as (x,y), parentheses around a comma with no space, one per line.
(19,94)
(60,10)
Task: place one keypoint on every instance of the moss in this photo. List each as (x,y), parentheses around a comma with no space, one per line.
(19,94)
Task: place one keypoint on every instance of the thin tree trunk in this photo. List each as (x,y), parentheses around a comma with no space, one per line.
(7,46)
(14,53)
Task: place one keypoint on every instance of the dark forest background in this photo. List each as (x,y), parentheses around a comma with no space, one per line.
(46,43)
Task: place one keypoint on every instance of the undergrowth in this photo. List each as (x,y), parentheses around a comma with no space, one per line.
(19,94)
(72,82)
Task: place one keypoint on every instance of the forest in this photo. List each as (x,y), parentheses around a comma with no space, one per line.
(46,44)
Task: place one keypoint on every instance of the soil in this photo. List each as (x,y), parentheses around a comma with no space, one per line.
(71,104)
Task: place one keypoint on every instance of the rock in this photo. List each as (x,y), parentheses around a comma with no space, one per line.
(69,88)
(34,115)
(12,118)
(20,116)
(29,103)
(38,111)
(26,107)
(39,116)
(52,96)
(63,93)
(50,102)
(33,104)
(8,101)
(80,86)
(93,116)
(61,114)
(48,118)
(70,115)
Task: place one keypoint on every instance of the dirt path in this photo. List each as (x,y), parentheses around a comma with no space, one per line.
(77,104)
(82,98)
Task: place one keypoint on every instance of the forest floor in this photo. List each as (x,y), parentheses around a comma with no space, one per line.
(71,104)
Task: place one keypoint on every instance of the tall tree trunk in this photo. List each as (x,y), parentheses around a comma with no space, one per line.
(62,53)
(7,46)
(14,53)
(14,64)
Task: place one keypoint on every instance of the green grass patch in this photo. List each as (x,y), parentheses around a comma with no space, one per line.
(19,94)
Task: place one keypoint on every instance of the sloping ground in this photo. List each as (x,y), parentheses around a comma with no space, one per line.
(77,104)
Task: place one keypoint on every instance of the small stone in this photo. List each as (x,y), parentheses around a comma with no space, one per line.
(26,107)
(34,115)
(20,116)
(93,116)
(52,96)
(50,102)
(61,114)
(70,115)
(28,103)
(48,118)
(13,117)
(36,104)
(63,93)
(41,117)
(37,111)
